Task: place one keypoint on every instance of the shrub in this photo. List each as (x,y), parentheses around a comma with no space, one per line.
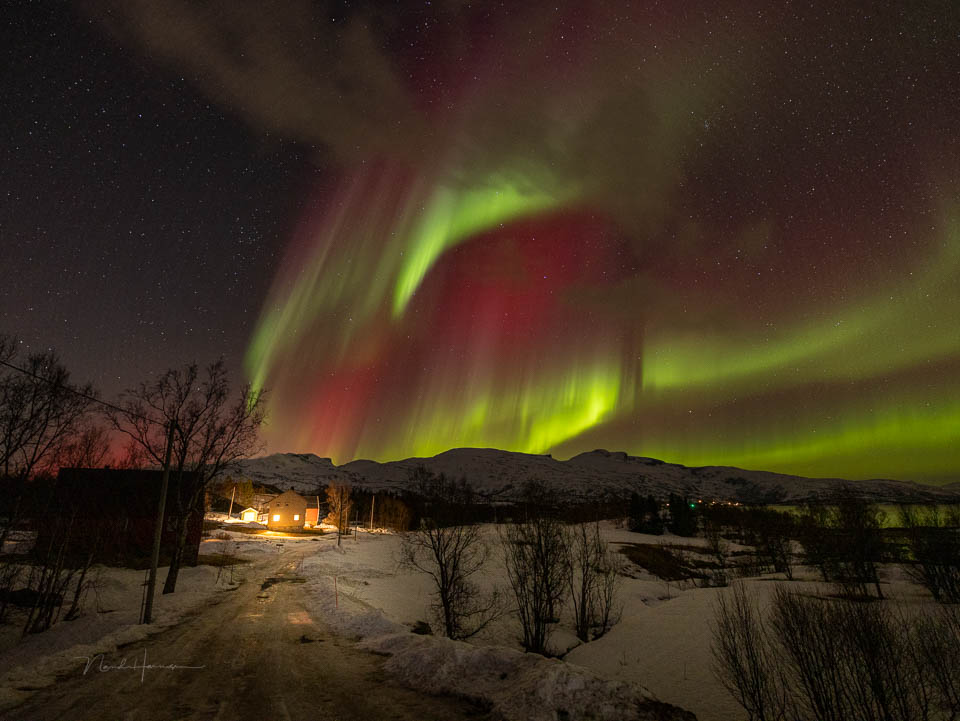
(450,549)
(933,544)
(837,659)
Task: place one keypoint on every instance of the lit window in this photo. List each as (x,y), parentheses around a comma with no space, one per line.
(296,516)
(276,517)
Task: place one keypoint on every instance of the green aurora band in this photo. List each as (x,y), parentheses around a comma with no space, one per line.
(416,241)
(912,431)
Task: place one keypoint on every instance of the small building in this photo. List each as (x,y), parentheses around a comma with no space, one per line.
(249,514)
(313,515)
(287,512)
(112,514)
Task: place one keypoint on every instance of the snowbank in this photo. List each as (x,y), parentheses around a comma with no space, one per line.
(351,586)
(520,686)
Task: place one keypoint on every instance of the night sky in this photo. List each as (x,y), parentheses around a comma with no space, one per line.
(711,236)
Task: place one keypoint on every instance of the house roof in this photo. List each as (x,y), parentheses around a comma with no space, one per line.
(289,497)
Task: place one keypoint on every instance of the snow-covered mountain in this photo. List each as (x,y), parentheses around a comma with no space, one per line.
(500,475)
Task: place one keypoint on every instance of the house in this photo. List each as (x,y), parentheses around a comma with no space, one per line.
(287,512)
(249,514)
(314,516)
(112,514)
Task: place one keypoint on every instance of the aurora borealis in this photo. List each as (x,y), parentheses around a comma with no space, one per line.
(706,235)
(732,238)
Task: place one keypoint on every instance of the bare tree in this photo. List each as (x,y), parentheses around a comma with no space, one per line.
(211,432)
(771,532)
(87,448)
(62,556)
(84,581)
(838,659)
(938,643)
(450,549)
(744,660)
(933,543)
(719,549)
(50,578)
(593,581)
(62,565)
(339,503)
(40,410)
(245,493)
(850,659)
(393,513)
(40,413)
(860,546)
(845,541)
(535,553)
(608,607)
(8,347)
(817,538)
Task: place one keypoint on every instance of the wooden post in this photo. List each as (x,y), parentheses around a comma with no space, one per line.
(158,529)
(234,493)
(373,499)
(143,595)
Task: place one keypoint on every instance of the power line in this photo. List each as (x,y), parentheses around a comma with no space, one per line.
(76,392)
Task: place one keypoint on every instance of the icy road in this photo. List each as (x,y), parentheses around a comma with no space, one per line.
(257,655)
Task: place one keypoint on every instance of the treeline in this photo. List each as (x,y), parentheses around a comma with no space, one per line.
(404,510)
(844,537)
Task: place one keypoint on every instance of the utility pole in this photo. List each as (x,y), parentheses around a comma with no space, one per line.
(158,528)
(234,493)
(373,499)
(339,522)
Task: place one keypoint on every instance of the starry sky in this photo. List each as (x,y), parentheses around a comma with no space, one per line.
(708,235)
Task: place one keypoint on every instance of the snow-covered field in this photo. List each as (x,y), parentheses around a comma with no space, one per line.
(361,590)
(662,642)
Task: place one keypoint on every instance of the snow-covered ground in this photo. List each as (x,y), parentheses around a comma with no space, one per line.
(662,642)
(358,589)
(111,614)
(361,590)
(110,619)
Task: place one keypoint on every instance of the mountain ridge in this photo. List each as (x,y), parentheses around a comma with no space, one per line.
(499,475)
